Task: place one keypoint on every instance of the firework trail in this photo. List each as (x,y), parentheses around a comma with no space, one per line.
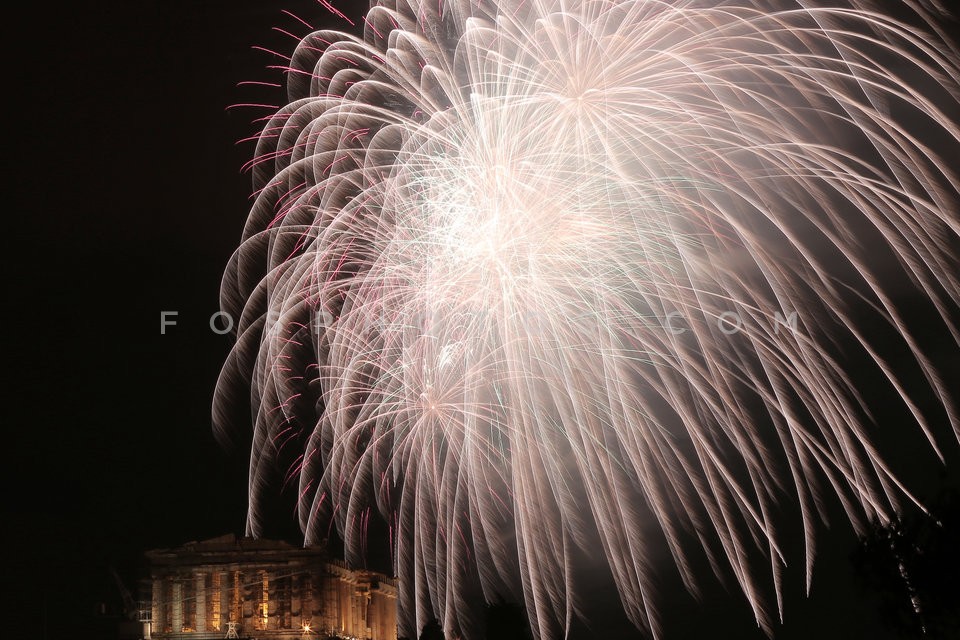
(546,280)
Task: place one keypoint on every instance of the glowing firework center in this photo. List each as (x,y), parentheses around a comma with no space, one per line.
(508,247)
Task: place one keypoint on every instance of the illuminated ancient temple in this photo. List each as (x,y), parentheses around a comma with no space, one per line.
(246,588)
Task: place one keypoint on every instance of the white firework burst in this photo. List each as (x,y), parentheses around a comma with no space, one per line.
(521,279)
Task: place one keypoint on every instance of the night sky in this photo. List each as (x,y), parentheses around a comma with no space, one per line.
(127,201)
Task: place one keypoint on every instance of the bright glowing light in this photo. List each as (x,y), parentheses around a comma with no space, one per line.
(512,277)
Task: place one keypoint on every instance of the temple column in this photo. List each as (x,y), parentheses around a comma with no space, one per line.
(296,613)
(343,605)
(271,594)
(201,591)
(224,595)
(346,590)
(156,609)
(176,595)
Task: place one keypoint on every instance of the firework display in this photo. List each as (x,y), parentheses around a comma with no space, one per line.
(532,282)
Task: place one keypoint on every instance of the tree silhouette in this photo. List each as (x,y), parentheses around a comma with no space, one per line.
(507,621)
(912,564)
(432,631)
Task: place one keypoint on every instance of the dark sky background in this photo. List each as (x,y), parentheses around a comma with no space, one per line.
(128,201)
